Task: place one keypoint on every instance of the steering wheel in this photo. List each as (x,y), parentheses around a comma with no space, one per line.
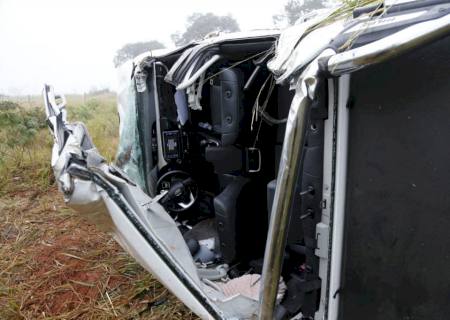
(180,189)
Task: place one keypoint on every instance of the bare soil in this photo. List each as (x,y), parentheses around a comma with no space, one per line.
(55,265)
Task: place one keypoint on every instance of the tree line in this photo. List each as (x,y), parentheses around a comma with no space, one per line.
(199,25)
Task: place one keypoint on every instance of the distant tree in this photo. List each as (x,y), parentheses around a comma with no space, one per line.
(199,25)
(131,50)
(294,9)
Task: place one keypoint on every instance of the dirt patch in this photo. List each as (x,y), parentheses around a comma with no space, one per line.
(67,280)
(56,265)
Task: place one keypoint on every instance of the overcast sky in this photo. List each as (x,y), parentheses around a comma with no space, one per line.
(71,43)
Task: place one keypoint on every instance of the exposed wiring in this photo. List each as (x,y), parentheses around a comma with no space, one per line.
(261,109)
(238,63)
(347,45)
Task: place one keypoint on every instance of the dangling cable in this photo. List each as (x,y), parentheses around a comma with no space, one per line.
(261,109)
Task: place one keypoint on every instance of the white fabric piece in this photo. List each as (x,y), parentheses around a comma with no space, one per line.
(248,285)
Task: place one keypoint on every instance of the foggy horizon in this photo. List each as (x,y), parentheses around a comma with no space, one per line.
(71,44)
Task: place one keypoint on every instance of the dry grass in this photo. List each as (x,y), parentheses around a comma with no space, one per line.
(55,265)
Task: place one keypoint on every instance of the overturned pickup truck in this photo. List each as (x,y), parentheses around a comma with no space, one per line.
(302,174)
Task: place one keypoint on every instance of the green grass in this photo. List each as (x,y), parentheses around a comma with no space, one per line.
(54,264)
(25,141)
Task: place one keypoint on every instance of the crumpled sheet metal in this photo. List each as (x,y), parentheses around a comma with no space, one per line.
(72,148)
(288,40)
(129,154)
(82,195)
(87,200)
(295,49)
(94,203)
(309,48)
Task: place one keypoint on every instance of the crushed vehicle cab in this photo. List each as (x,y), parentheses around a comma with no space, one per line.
(301,174)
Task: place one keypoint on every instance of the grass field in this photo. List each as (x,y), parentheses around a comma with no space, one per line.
(54,265)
